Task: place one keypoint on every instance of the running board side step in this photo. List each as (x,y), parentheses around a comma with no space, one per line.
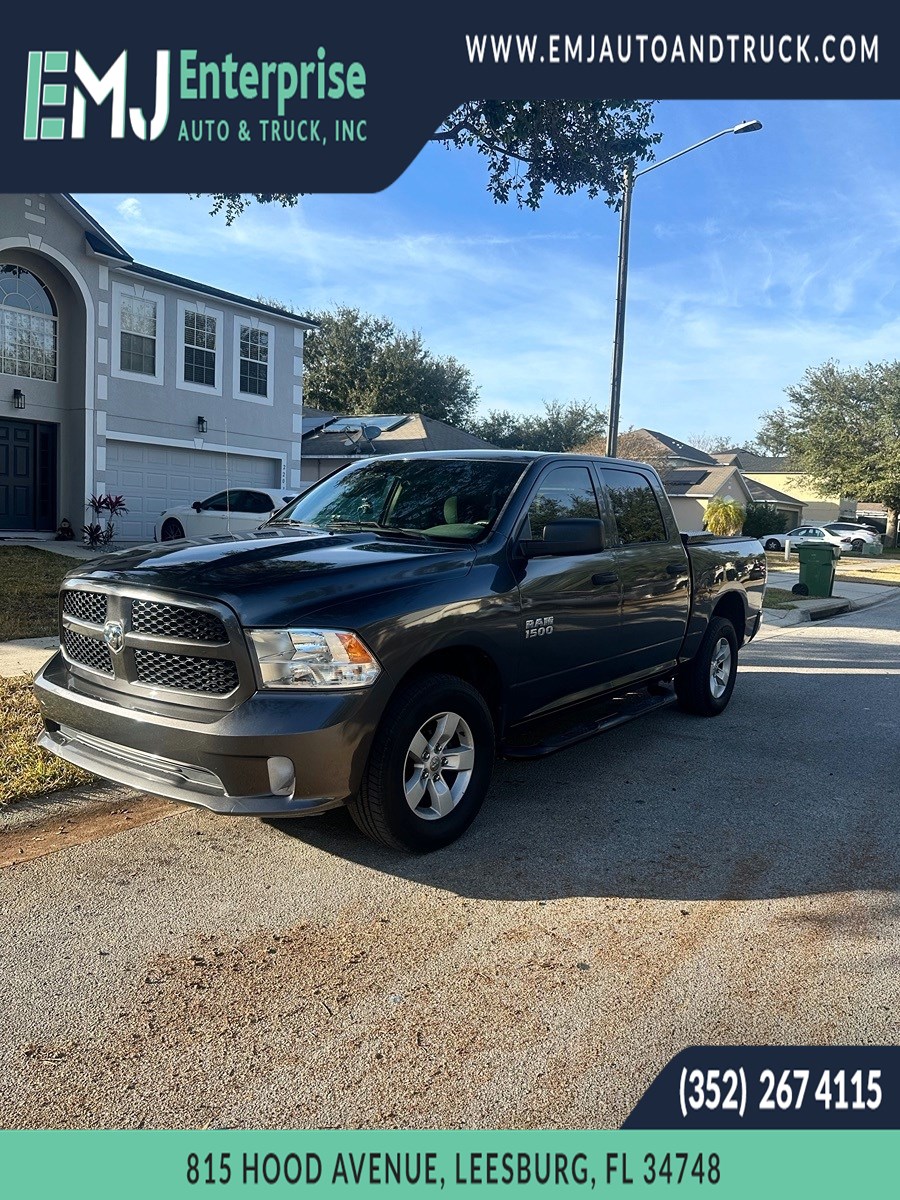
(629,710)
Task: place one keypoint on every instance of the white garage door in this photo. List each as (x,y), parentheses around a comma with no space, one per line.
(154,478)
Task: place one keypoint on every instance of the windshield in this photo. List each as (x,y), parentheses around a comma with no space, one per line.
(448,498)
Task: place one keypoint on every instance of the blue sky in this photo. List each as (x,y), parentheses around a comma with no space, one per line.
(751,259)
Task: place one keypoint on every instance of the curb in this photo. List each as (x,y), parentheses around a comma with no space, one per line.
(797,616)
(58,806)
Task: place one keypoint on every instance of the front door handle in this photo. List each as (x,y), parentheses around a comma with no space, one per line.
(603,577)
(676,569)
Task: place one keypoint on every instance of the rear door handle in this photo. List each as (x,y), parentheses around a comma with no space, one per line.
(676,569)
(603,577)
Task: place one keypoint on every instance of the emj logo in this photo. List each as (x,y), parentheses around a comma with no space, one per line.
(46,98)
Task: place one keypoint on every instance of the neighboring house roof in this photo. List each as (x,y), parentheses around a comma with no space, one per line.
(105,244)
(412,433)
(748,461)
(763,494)
(313,419)
(675,448)
(700,483)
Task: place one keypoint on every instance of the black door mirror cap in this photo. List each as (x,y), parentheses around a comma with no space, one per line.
(197,506)
(567,537)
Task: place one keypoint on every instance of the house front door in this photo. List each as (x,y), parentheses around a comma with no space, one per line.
(27,475)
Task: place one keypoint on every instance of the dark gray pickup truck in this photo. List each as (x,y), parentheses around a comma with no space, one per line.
(390,631)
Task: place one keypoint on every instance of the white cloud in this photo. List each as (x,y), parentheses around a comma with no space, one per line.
(130,209)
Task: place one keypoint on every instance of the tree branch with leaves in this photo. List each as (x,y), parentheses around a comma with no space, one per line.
(530,146)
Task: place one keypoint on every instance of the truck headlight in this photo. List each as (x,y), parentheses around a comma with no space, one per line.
(312,658)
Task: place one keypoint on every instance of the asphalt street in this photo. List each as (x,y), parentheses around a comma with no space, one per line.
(676,881)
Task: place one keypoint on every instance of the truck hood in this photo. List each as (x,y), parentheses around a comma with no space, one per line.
(273,576)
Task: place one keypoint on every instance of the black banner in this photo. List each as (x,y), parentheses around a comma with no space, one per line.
(342,100)
(774,1087)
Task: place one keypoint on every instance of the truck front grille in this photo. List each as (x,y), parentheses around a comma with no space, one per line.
(153,643)
(214,676)
(85,606)
(177,622)
(89,651)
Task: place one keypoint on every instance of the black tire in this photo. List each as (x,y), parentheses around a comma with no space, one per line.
(772,544)
(381,809)
(857,544)
(172,530)
(696,685)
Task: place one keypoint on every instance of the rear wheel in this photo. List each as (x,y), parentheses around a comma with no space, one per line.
(772,544)
(430,766)
(704,685)
(857,544)
(172,530)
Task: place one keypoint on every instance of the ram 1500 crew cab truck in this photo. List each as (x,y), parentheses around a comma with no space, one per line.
(383,637)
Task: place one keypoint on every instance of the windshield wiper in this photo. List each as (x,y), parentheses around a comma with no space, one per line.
(390,530)
(294,524)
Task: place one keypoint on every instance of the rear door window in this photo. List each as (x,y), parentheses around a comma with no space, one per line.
(634,505)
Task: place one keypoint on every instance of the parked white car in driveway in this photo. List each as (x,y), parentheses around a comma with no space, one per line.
(803,535)
(237,510)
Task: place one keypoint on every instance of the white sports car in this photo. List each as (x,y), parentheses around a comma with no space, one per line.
(238,510)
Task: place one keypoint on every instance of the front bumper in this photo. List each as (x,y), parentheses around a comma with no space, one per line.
(219,760)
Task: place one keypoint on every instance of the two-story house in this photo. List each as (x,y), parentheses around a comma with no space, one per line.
(118,377)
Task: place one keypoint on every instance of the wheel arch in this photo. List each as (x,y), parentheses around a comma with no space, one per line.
(469,662)
(733,606)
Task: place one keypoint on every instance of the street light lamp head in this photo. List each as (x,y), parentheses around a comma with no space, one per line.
(747,127)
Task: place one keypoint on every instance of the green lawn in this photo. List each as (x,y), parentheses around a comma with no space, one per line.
(29,583)
(779,598)
(26,770)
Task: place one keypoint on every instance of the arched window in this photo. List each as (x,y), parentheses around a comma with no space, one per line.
(28,321)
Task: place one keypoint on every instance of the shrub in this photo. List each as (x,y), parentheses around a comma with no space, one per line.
(95,534)
(761,519)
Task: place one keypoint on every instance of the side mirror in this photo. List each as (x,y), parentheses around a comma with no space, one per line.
(566,537)
(197,506)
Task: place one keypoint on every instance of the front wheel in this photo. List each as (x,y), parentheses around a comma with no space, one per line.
(704,685)
(172,530)
(430,766)
(773,544)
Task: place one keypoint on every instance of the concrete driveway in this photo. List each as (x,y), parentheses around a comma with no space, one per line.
(675,881)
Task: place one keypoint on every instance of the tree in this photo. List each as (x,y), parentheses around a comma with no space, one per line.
(530,145)
(716,444)
(633,443)
(724,517)
(357,363)
(772,434)
(561,428)
(761,519)
(841,429)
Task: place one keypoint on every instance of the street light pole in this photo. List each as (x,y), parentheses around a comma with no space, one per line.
(629,177)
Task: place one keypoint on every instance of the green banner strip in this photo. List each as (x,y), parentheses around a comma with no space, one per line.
(72,1164)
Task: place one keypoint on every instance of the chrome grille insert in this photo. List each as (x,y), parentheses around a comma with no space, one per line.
(85,606)
(90,652)
(215,676)
(177,622)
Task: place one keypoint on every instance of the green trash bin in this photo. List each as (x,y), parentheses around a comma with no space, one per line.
(816,570)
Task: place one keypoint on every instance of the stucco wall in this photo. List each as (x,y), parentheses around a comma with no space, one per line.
(816,509)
